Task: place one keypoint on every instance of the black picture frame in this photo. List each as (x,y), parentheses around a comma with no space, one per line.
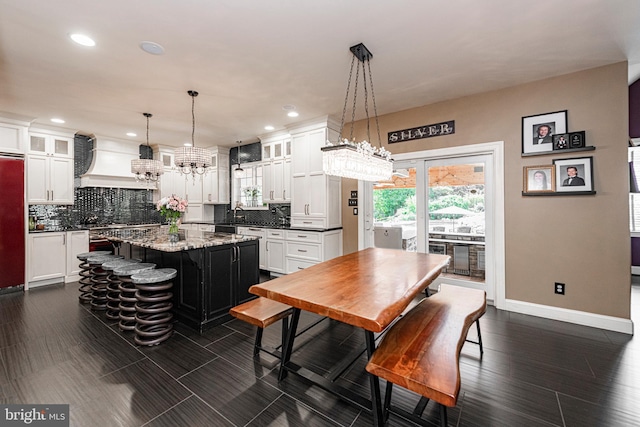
(561,141)
(534,138)
(583,181)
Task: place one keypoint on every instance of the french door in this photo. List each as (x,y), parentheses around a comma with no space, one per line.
(455,211)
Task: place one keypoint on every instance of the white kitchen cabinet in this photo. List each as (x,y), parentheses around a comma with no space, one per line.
(194,213)
(49,180)
(315,199)
(50,169)
(307,248)
(13,136)
(275,251)
(192,189)
(276,158)
(46,258)
(261,233)
(51,143)
(216,183)
(77,243)
(276,181)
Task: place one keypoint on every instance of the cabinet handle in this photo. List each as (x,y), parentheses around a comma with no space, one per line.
(307,222)
(302,250)
(300,268)
(302,237)
(64,240)
(284,193)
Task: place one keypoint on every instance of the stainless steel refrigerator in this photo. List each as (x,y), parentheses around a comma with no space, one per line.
(12,216)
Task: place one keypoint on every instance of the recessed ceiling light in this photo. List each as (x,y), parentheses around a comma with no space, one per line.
(293,114)
(83,40)
(152,48)
(269,127)
(132,134)
(55,120)
(187,144)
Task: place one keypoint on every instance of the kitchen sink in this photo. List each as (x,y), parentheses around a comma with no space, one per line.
(226,228)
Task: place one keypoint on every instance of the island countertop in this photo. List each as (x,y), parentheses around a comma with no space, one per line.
(157,238)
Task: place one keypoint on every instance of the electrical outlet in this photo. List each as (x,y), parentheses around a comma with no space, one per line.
(559,288)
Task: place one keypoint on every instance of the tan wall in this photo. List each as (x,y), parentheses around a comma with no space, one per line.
(582,241)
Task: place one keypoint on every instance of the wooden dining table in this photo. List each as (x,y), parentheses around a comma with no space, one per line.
(368,289)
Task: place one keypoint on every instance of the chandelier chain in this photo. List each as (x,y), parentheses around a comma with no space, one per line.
(355,99)
(373,98)
(366,99)
(346,96)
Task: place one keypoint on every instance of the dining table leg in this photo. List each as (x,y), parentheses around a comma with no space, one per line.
(287,346)
(374,383)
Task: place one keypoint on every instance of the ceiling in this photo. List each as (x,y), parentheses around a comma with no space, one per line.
(249,59)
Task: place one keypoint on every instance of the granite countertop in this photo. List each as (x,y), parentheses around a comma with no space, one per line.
(158,238)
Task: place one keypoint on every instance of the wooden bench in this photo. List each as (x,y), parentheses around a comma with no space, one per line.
(421,351)
(262,312)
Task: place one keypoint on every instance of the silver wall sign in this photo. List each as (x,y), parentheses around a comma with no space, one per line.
(426,131)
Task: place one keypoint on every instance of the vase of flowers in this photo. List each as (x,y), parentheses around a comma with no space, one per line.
(251,194)
(172,208)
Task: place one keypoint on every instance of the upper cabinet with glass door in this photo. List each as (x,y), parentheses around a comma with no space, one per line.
(50,144)
(277,146)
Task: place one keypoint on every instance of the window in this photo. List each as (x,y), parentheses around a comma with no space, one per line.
(247,189)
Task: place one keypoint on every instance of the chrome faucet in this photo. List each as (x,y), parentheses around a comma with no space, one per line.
(237,217)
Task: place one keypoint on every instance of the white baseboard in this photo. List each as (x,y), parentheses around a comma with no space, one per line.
(609,323)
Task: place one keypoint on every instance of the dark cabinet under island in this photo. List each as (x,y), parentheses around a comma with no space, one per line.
(215,271)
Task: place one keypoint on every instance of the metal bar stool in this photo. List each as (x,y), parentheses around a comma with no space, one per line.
(99,280)
(153,308)
(85,275)
(113,282)
(127,306)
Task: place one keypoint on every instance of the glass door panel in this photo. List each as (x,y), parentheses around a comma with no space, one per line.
(394,211)
(456,215)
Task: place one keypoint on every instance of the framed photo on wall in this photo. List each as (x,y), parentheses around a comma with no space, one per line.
(538,131)
(539,179)
(574,175)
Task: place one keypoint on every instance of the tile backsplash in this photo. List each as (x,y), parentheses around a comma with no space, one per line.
(100,206)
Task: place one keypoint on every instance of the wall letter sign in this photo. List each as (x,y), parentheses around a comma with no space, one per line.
(426,131)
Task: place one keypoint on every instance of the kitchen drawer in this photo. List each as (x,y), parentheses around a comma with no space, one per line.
(309,251)
(276,234)
(294,265)
(306,222)
(304,236)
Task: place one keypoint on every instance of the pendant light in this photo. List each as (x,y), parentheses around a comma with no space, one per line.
(358,160)
(238,172)
(192,160)
(147,170)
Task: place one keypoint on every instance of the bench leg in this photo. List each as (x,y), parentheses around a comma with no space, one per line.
(479,342)
(258,343)
(479,337)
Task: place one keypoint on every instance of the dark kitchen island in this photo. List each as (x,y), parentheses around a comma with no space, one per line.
(215,270)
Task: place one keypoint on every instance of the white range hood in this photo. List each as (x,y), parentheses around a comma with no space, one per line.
(111,165)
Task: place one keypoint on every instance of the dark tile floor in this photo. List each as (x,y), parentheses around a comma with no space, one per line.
(535,372)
